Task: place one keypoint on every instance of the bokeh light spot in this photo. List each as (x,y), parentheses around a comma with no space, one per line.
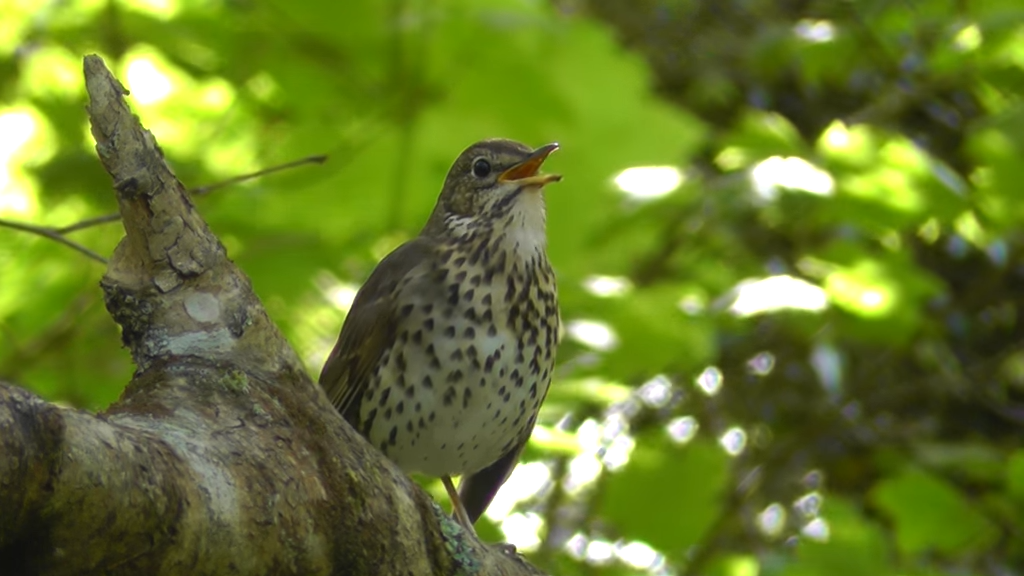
(638,555)
(656,392)
(16,129)
(146,82)
(527,480)
(593,334)
(649,182)
(734,441)
(816,530)
(710,380)
(683,429)
(813,480)
(692,304)
(618,452)
(968,38)
(772,520)
(589,436)
(341,295)
(774,293)
(864,289)
(828,366)
(576,546)
(791,173)
(607,286)
(809,505)
(583,471)
(761,364)
(600,552)
(523,530)
(815,31)
(164,9)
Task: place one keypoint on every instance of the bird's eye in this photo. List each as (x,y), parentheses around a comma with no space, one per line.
(481,168)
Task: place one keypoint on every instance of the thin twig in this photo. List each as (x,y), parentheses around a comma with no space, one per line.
(88,223)
(52,235)
(319,159)
(114,217)
(58,233)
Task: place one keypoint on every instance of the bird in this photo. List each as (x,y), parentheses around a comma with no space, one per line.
(449,347)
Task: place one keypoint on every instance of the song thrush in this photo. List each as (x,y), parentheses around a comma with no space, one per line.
(448,350)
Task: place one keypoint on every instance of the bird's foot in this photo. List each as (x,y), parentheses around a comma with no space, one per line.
(462,518)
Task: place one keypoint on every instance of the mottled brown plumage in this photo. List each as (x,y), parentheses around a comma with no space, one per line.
(449,348)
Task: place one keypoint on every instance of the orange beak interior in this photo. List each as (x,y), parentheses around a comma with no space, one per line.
(526,171)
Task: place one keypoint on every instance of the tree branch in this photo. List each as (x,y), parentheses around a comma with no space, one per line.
(222,456)
(57,234)
(317,159)
(52,235)
(88,223)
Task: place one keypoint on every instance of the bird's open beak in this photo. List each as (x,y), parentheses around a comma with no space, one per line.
(525,173)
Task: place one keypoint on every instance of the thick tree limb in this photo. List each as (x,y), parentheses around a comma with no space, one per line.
(222,456)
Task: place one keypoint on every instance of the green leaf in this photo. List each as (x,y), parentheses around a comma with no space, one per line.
(932,515)
(882,293)
(759,135)
(854,546)
(667,496)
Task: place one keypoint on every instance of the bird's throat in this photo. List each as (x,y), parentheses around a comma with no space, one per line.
(518,229)
(525,226)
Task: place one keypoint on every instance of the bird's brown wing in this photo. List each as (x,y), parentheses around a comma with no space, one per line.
(370,327)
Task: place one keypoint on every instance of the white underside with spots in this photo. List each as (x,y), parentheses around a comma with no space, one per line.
(463,438)
(463,435)
(421,431)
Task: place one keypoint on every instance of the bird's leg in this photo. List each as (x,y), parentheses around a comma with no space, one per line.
(458,510)
(462,517)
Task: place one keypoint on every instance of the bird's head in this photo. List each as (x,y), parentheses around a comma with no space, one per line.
(494,185)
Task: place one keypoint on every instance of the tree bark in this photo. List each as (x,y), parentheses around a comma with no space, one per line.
(222,456)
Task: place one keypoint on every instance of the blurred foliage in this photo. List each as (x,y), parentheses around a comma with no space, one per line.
(801,353)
